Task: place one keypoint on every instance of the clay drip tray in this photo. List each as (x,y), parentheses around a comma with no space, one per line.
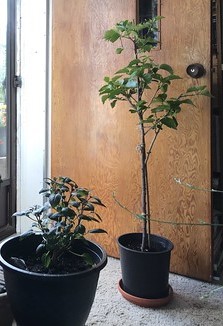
(146,303)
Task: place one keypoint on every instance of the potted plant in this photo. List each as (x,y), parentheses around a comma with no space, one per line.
(144,85)
(51,271)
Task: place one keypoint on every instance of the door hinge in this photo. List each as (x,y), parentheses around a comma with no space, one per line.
(17,82)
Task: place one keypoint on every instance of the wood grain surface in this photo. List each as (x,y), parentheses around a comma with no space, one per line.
(96,145)
(186,153)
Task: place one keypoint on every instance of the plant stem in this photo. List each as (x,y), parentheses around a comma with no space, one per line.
(145,244)
(145,189)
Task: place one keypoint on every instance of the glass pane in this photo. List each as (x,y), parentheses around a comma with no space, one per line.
(147,9)
(3,83)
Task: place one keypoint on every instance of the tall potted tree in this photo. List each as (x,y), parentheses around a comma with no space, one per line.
(144,85)
(51,272)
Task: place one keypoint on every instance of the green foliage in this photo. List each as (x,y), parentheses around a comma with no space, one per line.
(143,74)
(144,85)
(60,219)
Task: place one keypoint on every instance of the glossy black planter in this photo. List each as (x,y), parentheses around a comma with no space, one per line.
(145,274)
(43,299)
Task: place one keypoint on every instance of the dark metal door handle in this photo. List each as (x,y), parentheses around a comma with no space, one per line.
(195,70)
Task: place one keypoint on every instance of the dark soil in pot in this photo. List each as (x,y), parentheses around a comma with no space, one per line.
(69,263)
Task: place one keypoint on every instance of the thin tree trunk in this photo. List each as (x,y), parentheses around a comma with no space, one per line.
(145,190)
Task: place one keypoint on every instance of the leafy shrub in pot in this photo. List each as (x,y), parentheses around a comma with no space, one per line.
(54,258)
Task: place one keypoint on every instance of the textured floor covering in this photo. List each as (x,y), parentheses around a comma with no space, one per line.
(187,308)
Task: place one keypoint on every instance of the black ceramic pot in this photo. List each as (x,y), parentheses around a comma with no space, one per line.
(43,299)
(145,274)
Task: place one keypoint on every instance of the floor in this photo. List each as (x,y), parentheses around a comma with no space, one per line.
(194,303)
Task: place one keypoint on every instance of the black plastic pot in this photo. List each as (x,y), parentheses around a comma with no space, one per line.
(145,274)
(43,299)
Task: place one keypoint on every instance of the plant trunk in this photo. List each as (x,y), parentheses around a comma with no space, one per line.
(145,190)
(145,245)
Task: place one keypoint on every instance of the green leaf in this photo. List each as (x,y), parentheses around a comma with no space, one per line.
(75,203)
(81,192)
(55,216)
(134,62)
(88,218)
(171,77)
(123,70)
(113,103)
(95,200)
(46,259)
(104,98)
(115,78)
(97,231)
(43,191)
(87,258)
(54,199)
(195,89)
(147,78)
(119,50)
(161,108)
(205,92)
(95,219)
(164,88)
(106,79)
(66,211)
(80,229)
(187,101)
(166,67)
(111,35)
(149,120)
(169,122)
(84,217)
(160,98)
(98,216)
(40,249)
(88,207)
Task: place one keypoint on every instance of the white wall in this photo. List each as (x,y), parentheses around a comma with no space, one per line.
(32,144)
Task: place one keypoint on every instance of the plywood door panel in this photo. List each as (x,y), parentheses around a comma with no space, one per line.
(97,145)
(91,142)
(185,154)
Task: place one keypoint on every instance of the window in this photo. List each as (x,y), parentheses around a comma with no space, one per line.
(7,117)
(147,9)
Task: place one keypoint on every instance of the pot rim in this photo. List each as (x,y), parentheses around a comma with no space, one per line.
(98,266)
(155,237)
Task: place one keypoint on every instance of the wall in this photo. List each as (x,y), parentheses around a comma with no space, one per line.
(32,141)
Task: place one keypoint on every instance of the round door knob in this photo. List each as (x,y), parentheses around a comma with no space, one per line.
(195,70)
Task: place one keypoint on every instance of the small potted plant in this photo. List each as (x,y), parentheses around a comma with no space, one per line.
(51,271)
(144,85)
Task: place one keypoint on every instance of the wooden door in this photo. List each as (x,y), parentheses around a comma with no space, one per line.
(97,145)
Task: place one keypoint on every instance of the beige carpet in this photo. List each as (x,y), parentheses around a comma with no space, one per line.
(187,308)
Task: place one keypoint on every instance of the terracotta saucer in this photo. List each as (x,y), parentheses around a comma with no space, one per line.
(146,303)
